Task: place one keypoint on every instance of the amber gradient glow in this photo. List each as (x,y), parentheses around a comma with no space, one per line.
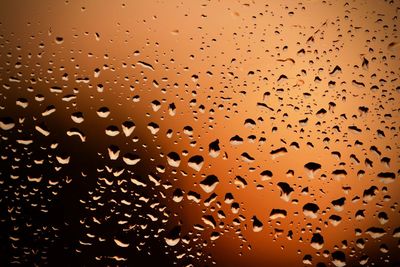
(316,80)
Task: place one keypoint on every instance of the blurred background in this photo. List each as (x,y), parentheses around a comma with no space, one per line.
(199,133)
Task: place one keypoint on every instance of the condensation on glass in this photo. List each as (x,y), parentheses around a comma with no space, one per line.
(197,133)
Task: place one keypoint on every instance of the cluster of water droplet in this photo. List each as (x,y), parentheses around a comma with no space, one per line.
(141,142)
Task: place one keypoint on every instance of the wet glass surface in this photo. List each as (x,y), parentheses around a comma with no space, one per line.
(199,133)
